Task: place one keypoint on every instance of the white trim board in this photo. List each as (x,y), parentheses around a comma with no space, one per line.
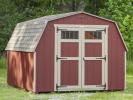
(34,73)
(76,27)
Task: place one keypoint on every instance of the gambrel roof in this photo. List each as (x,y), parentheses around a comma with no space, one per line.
(26,35)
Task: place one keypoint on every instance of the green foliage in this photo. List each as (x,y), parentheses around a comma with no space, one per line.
(122,12)
(2,62)
(93,6)
(129,67)
(14,11)
(8,18)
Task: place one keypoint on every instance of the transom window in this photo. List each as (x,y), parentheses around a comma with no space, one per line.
(69,35)
(93,35)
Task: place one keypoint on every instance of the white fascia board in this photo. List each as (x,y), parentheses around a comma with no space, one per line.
(121,36)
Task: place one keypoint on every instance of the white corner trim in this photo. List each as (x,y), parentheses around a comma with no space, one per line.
(106,52)
(125,67)
(34,73)
(55,63)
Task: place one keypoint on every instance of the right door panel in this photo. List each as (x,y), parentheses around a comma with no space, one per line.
(93,59)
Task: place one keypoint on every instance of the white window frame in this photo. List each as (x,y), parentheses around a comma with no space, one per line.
(80,29)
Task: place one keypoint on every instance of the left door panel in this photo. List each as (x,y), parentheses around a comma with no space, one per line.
(68,60)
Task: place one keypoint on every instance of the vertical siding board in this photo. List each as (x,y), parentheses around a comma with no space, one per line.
(69,49)
(69,72)
(45,52)
(20,69)
(93,72)
(93,49)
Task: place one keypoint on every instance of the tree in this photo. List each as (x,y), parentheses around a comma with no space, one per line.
(8,19)
(122,12)
(93,6)
(14,11)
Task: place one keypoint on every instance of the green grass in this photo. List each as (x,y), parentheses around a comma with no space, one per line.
(2,62)
(127,94)
(11,93)
(130,67)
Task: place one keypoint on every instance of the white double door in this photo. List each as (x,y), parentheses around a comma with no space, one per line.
(81,58)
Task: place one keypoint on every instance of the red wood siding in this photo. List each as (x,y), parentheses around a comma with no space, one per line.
(69,72)
(20,69)
(116,61)
(93,72)
(93,49)
(45,61)
(45,53)
(69,49)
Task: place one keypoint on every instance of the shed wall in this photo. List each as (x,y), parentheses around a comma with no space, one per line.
(45,53)
(20,69)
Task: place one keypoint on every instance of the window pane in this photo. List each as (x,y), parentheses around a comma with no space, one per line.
(93,35)
(88,35)
(69,35)
(99,35)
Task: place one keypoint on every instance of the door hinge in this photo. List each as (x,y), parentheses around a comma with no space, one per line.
(57,86)
(102,58)
(58,29)
(105,30)
(102,85)
(57,58)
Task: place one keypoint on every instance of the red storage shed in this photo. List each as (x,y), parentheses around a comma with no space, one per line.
(67,52)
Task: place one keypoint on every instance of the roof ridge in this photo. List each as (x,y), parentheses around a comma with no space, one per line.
(52,15)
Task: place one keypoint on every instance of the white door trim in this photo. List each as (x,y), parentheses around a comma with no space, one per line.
(71,26)
(106,53)
(79,28)
(94,58)
(60,88)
